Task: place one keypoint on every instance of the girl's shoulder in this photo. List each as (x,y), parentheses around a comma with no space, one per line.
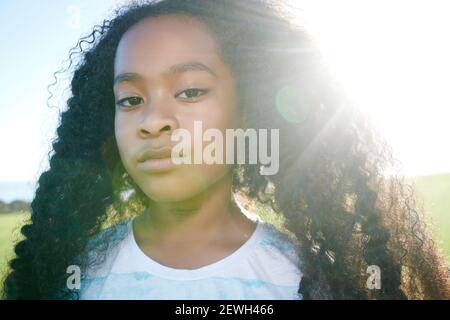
(114,233)
(277,243)
(103,247)
(273,241)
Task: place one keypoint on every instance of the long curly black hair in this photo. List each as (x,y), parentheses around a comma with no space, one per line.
(331,190)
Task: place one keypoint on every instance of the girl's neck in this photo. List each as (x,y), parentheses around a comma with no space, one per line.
(201,218)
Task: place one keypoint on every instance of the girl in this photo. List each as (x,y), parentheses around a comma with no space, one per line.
(115,207)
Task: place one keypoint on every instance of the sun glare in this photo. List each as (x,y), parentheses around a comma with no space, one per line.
(393,58)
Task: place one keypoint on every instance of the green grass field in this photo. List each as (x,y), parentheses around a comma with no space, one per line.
(9,231)
(434,190)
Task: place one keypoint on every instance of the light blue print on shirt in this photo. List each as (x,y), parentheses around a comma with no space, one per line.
(94,285)
(114,285)
(278,240)
(142,285)
(141,275)
(282,246)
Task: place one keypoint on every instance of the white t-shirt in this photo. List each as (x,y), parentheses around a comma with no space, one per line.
(266,266)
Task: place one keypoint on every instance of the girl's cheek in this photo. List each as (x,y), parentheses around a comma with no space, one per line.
(123,127)
(123,134)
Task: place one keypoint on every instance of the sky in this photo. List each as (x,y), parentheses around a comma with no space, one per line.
(36,38)
(391,55)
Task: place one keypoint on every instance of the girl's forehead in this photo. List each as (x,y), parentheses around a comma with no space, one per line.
(164,41)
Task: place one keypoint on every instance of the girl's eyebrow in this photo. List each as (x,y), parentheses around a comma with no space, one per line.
(195,66)
(175,69)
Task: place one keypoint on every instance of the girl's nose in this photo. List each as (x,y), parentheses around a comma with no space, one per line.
(156,121)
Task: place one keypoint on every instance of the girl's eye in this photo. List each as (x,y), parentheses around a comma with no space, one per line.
(129,102)
(192,93)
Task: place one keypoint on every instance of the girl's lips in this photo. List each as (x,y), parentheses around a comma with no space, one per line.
(157,165)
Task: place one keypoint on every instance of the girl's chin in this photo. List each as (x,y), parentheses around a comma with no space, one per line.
(176,194)
(180,185)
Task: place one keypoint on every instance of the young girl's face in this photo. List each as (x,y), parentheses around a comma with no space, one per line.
(168,74)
